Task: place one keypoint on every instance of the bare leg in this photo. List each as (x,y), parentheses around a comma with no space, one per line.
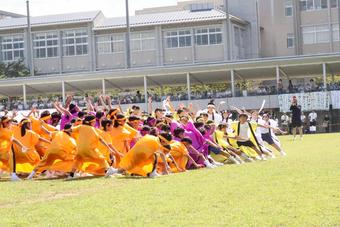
(301,132)
(294,133)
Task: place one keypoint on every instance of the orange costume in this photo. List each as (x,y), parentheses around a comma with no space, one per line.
(60,153)
(103,149)
(140,159)
(25,162)
(6,136)
(121,138)
(89,158)
(37,128)
(180,154)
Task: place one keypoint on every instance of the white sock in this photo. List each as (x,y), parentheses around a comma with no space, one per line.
(31,175)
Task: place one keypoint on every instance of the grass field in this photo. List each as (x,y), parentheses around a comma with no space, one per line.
(301,189)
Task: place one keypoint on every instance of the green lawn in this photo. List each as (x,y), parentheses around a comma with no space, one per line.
(302,189)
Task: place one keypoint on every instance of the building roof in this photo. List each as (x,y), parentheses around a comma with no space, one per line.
(10,14)
(175,17)
(166,18)
(12,23)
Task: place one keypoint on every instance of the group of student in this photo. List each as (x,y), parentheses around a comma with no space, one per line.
(104,141)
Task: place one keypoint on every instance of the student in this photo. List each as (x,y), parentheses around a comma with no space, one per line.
(87,150)
(25,162)
(43,128)
(142,159)
(245,135)
(268,135)
(60,153)
(120,135)
(312,117)
(105,133)
(7,156)
(181,155)
(296,118)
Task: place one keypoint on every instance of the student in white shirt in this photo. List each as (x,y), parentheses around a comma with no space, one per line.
(312,121)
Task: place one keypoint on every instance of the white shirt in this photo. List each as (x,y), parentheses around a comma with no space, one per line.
(312,116)
(244,132)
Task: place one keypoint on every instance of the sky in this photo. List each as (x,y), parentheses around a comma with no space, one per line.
(110,8)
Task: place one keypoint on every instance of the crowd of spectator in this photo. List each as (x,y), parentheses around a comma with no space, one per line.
(210,92)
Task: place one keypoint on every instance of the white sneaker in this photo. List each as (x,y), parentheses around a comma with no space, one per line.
(258,158)
(110,171)
(30,177)
(14,177)
(234,160)
(209,165)
(283,153)
(218,164)
(154,174)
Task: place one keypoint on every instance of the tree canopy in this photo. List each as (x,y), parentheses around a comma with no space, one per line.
(13,69)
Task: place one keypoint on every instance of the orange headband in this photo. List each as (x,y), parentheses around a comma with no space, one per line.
(25,121)
(135,121)
(48,117)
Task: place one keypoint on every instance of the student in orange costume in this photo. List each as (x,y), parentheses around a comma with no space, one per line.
(88,152)
(7,157)
(60,154)
(142,159)
(107,126)
(181,155)
(26,161)
(121,134)
(42,127)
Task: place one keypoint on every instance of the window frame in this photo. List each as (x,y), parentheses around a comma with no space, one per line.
(290,36)
(140,39)
(208,33)
(74,43)
(289,5)
(12,50)
(111,41)
(178,37)
(45,47)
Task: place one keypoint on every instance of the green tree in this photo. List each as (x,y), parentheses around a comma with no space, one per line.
(13,69)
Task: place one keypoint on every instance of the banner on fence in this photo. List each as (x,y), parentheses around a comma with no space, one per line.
(307,101)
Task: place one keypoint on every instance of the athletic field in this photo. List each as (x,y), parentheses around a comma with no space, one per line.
(302,189)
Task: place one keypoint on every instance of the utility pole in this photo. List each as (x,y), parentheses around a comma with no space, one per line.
(226,8)
(29,39)
(128,50)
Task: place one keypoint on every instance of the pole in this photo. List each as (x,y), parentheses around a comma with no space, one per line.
(128,50)
(232,75)
(63,91)
(324,76)
(29,39)
(188,86)
(146,91)
(24,94)
(277,77)
(226,8)
(103,86)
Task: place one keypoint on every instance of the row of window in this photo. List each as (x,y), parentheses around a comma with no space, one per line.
(147,41)
(45,45)
(316,34)
(320,34)
(309,5)
(75,42)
